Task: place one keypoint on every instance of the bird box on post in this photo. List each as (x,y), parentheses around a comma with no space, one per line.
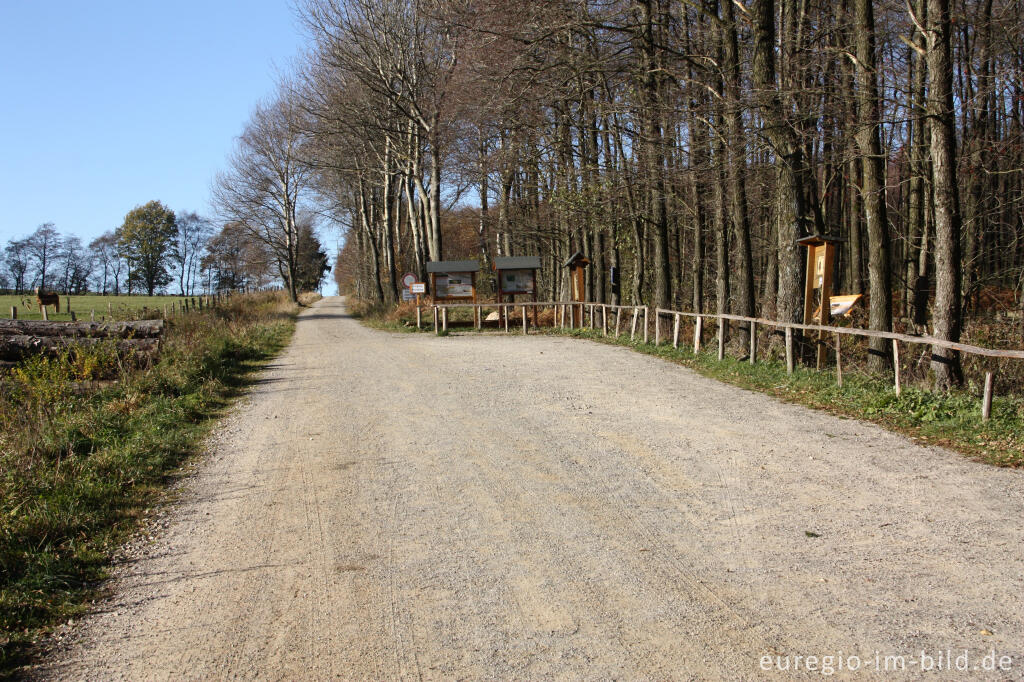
(577,264)
(821,253)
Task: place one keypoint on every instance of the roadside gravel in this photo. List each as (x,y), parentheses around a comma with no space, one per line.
(398,506)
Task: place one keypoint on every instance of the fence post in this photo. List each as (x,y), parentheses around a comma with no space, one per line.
(618,318)
(646,324)
(92,315)
(721,338)
(504,310)
(14,312)
(604,320)
(790,365)
(42,309)
(436,328)
(753,342)
(444,319)
(478,317)
(657,327)
(986,401)
(419,317)
(632,329)
(73,318)
(896,365)
(675,332)
(839,359)
(698,329)
(524,320)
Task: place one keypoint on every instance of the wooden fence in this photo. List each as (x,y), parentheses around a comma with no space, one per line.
(640,315)
(838,332)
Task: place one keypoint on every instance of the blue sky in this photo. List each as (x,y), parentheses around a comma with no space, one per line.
(106,105)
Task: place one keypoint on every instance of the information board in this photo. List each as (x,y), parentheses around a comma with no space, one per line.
(517,281)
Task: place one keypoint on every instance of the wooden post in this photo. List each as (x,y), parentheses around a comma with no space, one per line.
(524,320)
(657,328)
(604,320)
(436,328)
(73,317)
(504,309)
(698,328)
(753,342)
(721,338)
(69,303)
(42,309)
(419,317)
(632,329)
(789,351)
(92,315)
(839,359)
(109,311)
(646,326)
(675,333)
(477,317)
(618,318)
(444,319)
(896,365)
(14,312)
(986,401)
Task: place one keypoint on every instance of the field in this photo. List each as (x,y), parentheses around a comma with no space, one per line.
(117,306)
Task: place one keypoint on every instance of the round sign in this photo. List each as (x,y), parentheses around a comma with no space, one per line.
(408,279)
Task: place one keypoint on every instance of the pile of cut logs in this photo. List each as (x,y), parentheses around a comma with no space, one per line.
(21,338)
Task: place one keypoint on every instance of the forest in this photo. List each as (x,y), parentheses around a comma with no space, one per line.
(683,147)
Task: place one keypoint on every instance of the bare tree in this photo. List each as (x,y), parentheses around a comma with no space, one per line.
(266,181)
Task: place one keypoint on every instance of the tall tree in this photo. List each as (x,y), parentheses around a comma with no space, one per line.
(873,182)
(42,246)
(145,239)
(946,312)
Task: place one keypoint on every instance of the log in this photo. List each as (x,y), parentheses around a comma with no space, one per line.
(13,348)
(144,329)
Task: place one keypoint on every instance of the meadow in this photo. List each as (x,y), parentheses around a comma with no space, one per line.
(83,306)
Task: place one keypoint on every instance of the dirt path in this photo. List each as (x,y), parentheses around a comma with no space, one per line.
(406,506)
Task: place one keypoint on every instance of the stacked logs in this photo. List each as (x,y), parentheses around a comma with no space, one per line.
(21,338)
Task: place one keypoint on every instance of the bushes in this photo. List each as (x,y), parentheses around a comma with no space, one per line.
(88,441)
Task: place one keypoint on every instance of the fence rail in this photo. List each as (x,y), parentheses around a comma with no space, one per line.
(572,315)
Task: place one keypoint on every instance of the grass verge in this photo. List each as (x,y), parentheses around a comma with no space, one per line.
(950,419)
(81,460)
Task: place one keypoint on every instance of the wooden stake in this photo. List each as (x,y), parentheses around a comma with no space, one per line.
(675,332)
(436,328)
(790,365)
(986,401)
(839,360)
(524,320)
(896,365)
(753,342)
(618,317)
(419,317)
(14,312)
(604,320)
(698,330)
(632,330)
(444,319)
(92,315)
(505,311)
(721,338)
(657,329)
(646,325)
(43,310)
(73,317)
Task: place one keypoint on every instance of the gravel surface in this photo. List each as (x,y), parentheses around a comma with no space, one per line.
(396,506)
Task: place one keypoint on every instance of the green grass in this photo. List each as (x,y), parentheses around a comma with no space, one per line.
(79,469)
(118,306)
(950,419)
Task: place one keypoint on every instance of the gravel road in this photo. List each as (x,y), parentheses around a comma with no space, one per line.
(401,506)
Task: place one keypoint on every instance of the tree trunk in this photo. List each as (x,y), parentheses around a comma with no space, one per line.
(946,312)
